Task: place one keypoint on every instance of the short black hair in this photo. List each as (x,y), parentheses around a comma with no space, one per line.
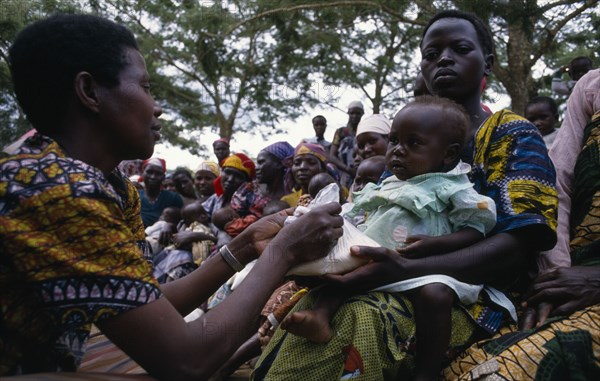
(582,58)
(547,100)
(455,116)
(319,117)
(47,55)
(483,31)
(182,171)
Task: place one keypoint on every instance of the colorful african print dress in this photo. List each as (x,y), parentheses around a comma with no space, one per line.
(72,253)
(563,348)
(374,334)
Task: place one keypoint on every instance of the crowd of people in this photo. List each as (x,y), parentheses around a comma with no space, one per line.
(481,226)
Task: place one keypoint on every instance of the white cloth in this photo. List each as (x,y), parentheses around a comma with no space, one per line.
(581,105)
(467,293)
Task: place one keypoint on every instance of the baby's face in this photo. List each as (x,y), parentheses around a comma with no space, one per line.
(366,173)
(417,144)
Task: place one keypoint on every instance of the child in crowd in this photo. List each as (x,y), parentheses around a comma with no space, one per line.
(195,219)
(369,171)
(228,220)
(427,207)
(169,217)
(192,244)
(318,182)
(543,112)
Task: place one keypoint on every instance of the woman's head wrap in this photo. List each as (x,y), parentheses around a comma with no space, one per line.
(209,166)
(316,150)
(222,140)
(241,162)
(284,152)
(374,123)
(280,150)
(155,161)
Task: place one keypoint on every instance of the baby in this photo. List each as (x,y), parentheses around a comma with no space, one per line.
(228,220)
(369,171)
(169,217)
(428,207)
(195,220)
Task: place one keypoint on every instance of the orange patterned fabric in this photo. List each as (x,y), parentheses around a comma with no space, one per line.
(72,253)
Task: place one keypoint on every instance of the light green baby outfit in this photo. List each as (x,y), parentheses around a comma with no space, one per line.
(432,204)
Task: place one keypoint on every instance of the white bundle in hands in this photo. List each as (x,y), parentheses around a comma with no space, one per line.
(338,260)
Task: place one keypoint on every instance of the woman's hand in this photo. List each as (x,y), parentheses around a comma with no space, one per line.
(561,292)
(385,266)
(185,239)
(166,234)
(311,236)
(261,232)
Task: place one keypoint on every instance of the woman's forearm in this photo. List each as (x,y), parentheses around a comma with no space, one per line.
(187,293)
(488,261)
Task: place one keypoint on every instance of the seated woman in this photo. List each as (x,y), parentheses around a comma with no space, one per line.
(204,179)
(564,302)
(184,185)
(372,135)
(271,181)
(71,236)
(308,160)
(375,334)
(153,197)
(237,170)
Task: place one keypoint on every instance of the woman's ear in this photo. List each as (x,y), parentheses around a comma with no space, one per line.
(452,154)
(86,91)
(489,64)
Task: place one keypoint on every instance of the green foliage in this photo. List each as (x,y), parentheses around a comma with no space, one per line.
(245,65)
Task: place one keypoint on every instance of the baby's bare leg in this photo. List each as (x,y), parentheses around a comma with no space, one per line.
(314,324)
(433,307)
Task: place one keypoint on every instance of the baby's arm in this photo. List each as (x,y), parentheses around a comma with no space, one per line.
(419,246)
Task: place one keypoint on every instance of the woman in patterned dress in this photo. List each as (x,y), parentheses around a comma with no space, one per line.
(375,333)
(72,248)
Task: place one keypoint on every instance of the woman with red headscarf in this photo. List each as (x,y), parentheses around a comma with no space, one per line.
(154,199)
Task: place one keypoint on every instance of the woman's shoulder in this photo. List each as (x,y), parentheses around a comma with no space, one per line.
(44,168)
(506,120)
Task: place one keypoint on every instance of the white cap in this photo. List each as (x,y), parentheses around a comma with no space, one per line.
(356,104)
(374,123)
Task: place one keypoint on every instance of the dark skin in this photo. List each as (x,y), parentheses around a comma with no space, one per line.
(184,185)
(153,178)
(453,65)
(270,171)
(418,144)
(561,292)
(221,150)
(215,336)
(203,181)
(304,167)
(354,116)
(484,261)
(102,130)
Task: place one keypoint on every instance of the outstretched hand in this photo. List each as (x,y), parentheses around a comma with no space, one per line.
(261,232)
(312,235)
(561,292)
(384,266)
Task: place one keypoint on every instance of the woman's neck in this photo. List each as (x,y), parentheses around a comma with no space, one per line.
(152,193)
(476,114)
(276,188)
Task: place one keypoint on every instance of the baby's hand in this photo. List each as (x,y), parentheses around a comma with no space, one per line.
(419,246)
